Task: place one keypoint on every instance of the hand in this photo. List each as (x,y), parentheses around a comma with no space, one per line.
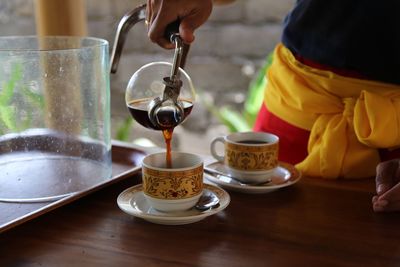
(191,13)
(387,186)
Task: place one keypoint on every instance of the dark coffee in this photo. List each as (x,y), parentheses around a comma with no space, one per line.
(252,142)
(139,111)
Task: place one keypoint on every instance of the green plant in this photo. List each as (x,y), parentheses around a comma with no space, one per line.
(226,115)
(10,120)
(255,95)
(7,112)
(124,129)
(239,121)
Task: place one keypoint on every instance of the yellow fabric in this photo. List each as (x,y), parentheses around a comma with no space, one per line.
(348,118)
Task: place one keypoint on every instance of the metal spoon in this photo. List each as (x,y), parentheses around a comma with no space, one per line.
(230,179)
(208,200)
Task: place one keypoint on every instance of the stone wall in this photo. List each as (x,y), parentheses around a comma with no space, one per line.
(226,54)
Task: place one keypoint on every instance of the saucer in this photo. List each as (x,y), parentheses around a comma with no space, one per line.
(284,175)
(133,202)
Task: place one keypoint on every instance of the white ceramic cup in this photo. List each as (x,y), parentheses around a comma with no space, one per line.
(248,156)
(172,189)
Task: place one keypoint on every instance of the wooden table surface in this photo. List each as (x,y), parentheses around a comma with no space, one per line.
(313,223)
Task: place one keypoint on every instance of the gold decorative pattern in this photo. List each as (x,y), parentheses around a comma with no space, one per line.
(251,158)
(172,184)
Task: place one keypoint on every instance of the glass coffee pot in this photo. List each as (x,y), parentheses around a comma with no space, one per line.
(159,95)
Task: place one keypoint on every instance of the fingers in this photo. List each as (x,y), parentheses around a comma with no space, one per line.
(157,28)
(386,173)
(148,13)
(191,22)
(378,206)
(151,11)
(186,30)
(387,187)
(191,13)
(386,207)
(389,201)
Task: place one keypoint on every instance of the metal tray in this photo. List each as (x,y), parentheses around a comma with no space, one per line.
(126,161)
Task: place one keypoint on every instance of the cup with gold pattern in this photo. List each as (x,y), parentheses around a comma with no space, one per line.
(249,156)
(174,188)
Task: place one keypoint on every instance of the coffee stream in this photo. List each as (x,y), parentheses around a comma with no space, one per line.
(168,138)
(139,111)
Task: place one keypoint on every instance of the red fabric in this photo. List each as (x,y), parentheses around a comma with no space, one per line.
(293,140)
(342,72)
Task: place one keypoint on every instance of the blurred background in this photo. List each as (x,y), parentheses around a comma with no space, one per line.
(226,63)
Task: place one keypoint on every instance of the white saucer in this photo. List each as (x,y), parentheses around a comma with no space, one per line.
(133,202)
(284,175)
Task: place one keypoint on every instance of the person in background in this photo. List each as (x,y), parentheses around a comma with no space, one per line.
(333,91)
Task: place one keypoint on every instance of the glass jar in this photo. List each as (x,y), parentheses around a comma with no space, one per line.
(54,116)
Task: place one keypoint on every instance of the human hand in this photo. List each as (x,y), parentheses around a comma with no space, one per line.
(191,14)
(387,186)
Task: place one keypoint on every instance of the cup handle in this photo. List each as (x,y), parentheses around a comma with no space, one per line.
(213,150)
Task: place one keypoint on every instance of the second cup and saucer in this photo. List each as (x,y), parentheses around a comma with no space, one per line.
(250,164)
(282,176)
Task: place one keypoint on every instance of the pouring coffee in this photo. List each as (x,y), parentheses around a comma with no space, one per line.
(159,95)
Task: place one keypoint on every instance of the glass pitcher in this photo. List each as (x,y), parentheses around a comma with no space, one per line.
(54,116)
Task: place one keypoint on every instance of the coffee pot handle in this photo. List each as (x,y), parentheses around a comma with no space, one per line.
(126,23)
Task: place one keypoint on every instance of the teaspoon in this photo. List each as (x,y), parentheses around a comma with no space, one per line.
(232,180)
(208,200)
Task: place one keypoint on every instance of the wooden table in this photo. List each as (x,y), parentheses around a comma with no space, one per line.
(313,223)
